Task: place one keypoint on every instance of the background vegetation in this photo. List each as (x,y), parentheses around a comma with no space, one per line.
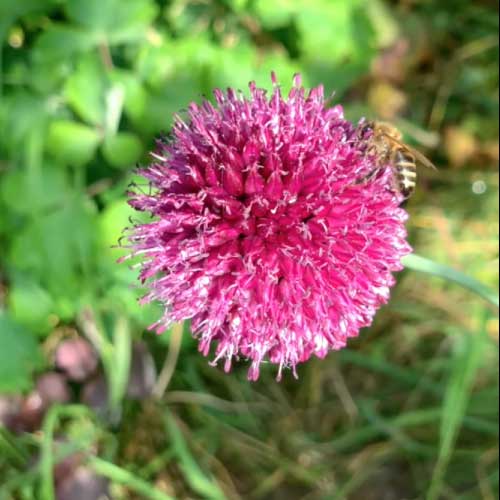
(409,411)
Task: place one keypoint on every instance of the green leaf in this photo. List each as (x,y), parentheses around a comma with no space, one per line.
(13,183)
(114,21)
(46,78)
(238,5)
(58,249)
(71,142)
(119,294)
(48,192)
(61,42)
(179,61)
(423,265)
(30,304)
(24,114)
(284,69)
(85,90)
(135,95)
(160,108)
(113,219)
(332,36)
(276,13)
(19,356)
(187,17)
(114,106)
(234,67)
(10,10)
(15,8)
(384,22)
(122,150)
(339,50)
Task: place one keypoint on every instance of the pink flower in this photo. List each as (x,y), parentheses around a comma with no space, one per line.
(268,232)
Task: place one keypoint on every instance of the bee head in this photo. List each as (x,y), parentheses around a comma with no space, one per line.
(366,129)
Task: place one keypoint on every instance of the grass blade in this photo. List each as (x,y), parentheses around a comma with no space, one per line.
(423,265)
(122,476)
(195,477)
(10,447)
(405,376)
(467,356)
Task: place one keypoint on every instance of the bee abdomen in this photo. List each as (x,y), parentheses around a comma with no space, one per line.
(406,172)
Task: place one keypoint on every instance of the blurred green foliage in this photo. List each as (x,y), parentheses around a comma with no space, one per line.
(85,86)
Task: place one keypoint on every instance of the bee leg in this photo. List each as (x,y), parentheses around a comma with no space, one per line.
(369,176)
(394,181)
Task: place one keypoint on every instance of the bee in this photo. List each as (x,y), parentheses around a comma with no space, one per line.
(385,143)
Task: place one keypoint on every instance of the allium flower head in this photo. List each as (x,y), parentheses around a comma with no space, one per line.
(268,231)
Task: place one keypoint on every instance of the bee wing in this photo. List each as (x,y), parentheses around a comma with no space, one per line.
(422,159)
(418,155)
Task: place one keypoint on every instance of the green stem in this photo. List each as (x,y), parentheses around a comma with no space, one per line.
(47,447)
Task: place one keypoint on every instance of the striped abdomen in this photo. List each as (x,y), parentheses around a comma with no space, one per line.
(405,172)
